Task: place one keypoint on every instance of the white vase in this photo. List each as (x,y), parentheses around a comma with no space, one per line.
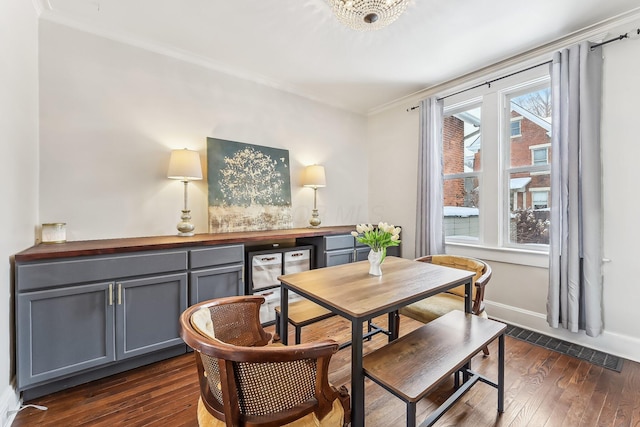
(375,260)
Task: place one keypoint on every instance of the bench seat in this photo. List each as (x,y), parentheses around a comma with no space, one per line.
(302,313)
(414,364)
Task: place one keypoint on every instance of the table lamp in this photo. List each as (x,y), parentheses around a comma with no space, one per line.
(314,177)
(185,166)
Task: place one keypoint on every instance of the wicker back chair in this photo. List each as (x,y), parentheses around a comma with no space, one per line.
(246,382)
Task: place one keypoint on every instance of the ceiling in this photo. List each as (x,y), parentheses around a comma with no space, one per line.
(298,46)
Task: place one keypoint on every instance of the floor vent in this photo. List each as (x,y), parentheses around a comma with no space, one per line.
(593,356)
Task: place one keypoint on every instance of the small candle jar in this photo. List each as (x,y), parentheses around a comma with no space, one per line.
(54,232)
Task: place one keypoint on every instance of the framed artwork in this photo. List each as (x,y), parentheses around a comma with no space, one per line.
(249,187)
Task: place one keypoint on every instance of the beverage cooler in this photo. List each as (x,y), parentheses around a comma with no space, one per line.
(264,264)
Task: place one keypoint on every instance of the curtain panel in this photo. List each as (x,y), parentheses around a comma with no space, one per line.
(429,212)
(575,242)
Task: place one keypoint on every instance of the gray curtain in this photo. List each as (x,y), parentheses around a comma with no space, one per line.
(575,278)
(429,213)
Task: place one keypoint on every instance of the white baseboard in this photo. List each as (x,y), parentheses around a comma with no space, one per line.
(9,404)
(619,345)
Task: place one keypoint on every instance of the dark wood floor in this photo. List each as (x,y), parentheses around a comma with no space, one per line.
(543,388)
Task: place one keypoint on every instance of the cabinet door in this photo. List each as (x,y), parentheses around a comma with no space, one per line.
(362,253)
(215,283)
(343,256)
(147,312)
(62,331)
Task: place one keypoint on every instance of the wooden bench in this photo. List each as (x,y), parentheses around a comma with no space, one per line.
(413,365)
(302,313)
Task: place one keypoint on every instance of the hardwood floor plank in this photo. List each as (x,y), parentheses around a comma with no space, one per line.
(542,388)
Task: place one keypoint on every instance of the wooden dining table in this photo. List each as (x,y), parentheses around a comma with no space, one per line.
(349,291)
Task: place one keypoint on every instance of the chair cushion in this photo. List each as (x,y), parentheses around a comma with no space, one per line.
(433,307)
(201,321)
(461,263)
(335,418)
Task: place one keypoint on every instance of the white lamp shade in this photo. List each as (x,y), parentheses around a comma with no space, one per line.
(313,176)
(185,165)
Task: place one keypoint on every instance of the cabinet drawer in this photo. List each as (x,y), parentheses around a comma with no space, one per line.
(92,269)
(218,255)
(338,242)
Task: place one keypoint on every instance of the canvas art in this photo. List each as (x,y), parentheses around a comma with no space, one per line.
(249,187)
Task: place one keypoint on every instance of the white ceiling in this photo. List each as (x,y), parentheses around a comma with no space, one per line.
(297,45)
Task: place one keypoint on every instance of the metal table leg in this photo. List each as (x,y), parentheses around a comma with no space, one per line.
(357,374)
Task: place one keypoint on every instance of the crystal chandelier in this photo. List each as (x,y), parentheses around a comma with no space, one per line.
(366,15)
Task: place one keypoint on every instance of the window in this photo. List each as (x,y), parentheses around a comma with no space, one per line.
(540,199)
(516,127)
(499,137)
(461,145)
(539,156)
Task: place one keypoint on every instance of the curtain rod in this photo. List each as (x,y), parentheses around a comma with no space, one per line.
(634,33)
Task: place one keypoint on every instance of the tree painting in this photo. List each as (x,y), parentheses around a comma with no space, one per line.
(249,187)
(250,177)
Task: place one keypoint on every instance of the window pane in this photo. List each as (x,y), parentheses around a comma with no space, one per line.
(539,156)
(461,141)
(529,208)
(540,199)
(461,213)
(515,128)
(535,125)
(461,154)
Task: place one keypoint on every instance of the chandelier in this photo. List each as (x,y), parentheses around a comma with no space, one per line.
(366,15)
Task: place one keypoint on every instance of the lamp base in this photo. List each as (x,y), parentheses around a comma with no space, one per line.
(185,228)
(315,219)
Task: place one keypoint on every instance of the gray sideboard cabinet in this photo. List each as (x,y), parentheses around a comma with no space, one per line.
(77,315)
(340,249)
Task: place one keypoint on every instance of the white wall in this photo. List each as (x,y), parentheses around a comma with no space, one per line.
(18,164)
(517,293)
(111,113)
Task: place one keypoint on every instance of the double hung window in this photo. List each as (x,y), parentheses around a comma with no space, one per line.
(496,163)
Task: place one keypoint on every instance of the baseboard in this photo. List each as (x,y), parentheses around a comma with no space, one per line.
(619,345)
(9,405)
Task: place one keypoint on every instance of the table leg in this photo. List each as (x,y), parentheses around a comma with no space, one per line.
(468,290)
(501,373)
(357,375)
(394,325)
(284,315)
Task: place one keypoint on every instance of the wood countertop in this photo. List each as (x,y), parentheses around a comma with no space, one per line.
(134,244)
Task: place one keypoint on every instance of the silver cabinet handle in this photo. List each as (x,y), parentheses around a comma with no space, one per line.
(110,293)
(119,293)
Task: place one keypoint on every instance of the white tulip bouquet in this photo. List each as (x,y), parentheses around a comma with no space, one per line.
(379,237)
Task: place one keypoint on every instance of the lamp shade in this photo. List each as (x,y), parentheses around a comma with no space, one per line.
(313,176)
(185,165)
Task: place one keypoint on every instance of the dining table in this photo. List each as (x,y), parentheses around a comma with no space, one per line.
(348,290)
